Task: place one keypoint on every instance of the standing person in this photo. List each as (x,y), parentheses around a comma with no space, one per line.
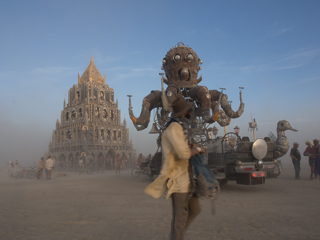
(80,164)
(139,160)
(316,148)
(176,174)
(40,167)
(10,167)
(126,162)
(296,157)
(312,158)
(117,162)
(49,167)
(16,167)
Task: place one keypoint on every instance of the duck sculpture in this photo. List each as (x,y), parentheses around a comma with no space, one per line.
(281,145)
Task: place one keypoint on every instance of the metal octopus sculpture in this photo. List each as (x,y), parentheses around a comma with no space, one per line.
(181,67)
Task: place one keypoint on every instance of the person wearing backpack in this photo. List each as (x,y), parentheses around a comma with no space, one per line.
(176,178)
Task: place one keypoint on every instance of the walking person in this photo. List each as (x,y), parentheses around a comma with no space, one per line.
(296,157)
(312,158)
(40,167)
(316,148)
(176,175)
(49,167)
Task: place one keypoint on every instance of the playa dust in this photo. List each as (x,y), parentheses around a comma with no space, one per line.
(106,206)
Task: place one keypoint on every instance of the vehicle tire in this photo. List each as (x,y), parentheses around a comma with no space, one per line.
(276,172)
(135,172)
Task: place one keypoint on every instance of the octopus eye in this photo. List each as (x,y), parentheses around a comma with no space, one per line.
(189,57)
(177,57)
(164,61)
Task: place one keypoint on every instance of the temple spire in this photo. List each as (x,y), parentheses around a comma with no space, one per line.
(91,74)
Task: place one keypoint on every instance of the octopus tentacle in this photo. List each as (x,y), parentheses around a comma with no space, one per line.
(150,102)
(227,108)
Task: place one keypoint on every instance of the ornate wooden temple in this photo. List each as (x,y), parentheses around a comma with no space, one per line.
(90,125)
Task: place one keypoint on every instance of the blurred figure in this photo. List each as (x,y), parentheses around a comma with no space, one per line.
(316,148)
(10,167)
(148,159)
(16,167)
(117,162)
(139,160)
(40,167)
(296,157)
(49,167)
(125,162)
(310,151)
(80,164)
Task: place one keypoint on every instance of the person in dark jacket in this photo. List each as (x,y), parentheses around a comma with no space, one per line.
(296,157)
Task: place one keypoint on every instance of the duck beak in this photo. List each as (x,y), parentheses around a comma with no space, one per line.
(293,129)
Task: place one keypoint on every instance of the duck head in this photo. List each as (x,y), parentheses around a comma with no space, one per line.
(284,125)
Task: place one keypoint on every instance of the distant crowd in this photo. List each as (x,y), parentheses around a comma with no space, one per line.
(313,152)
(112,163)
(16,170)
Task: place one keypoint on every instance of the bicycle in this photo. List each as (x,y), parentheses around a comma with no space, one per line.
(40,174)
(27,173)
(32,173)
(135,172)
(85,168)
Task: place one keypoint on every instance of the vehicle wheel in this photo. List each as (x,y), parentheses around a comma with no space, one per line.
(277,170)
(135,172)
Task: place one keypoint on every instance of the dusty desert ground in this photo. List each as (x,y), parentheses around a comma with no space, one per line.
(104,206)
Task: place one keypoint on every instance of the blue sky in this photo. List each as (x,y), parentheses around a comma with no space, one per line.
(271,48)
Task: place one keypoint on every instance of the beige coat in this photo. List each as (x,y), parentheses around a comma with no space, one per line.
(49,164)
(174,176)
(41,164)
